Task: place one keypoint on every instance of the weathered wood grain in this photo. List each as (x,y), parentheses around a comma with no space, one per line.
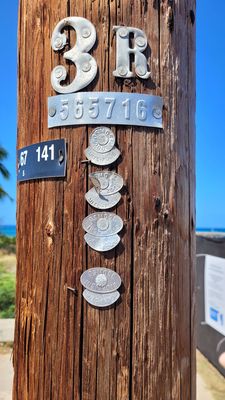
(144,347)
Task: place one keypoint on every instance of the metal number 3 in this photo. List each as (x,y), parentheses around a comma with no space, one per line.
(85,64)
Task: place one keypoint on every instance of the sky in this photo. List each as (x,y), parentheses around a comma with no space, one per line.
(210,130)
(8,99)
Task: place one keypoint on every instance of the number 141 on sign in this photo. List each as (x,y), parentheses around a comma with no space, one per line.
(48,151)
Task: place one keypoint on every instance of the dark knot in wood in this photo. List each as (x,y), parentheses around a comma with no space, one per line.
(157,203)
(49,230)
(166,214)
(192,16)
(170,19)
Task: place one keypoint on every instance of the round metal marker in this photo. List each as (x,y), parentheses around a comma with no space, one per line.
(102,224)
(101,202)
(102,158)
(101,300)
(100,280)
(102,139)
(102,243)
(106,182)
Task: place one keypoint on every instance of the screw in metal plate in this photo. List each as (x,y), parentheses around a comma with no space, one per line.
(58,73)
(123,32)
(61,157)
(58,42)
(101,280)
(157,113)
(140,41)
(140,70)
(86,67)
(86,33)
(52,111)
(122,71)
(103,224)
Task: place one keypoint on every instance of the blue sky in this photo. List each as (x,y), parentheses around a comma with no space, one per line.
(8,98)
(209,117)
(210,126)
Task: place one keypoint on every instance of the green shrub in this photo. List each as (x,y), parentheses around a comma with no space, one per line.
(7,293)
(8,244)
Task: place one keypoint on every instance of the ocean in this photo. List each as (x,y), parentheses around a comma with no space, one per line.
(8,230)
(219,230)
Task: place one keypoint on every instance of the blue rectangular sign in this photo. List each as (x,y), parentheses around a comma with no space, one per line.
(42,160)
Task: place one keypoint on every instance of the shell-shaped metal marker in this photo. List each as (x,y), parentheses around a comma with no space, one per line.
(106,182)
(102,224)
(100,280)
(102,243)
(99,299)
(102,158)
(102,139)
(97,200)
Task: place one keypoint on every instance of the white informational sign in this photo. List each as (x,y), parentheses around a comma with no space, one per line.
(215,293)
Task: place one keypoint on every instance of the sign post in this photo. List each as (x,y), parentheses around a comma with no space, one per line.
(106,233)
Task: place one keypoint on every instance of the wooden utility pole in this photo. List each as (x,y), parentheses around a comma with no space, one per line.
(142,348)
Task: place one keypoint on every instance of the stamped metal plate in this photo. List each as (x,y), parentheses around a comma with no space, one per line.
(42,160)
(97,200)
(102,224)
(105,108)
(86,66)
(124,51)
(102,158)
(101,300)
(102,139)
(100,280)
(105,243)
(106,182)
